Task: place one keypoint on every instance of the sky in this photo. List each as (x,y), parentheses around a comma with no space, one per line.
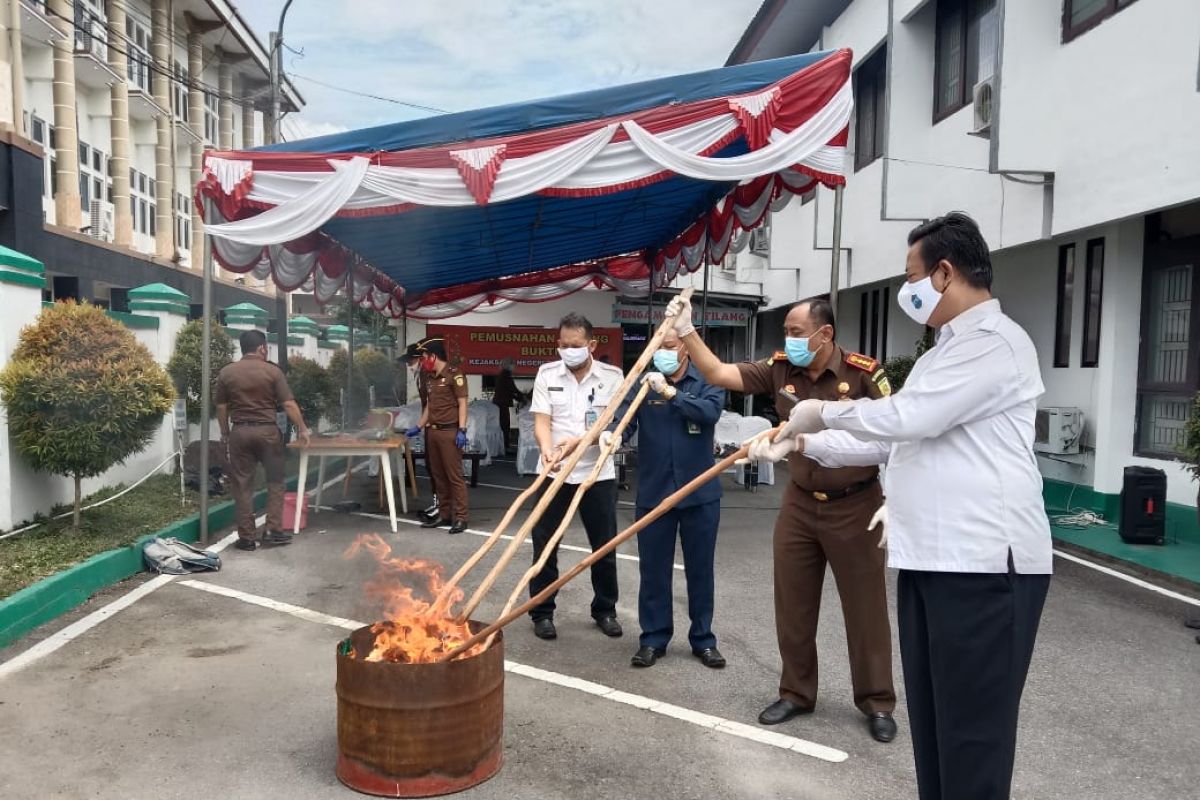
(455,55)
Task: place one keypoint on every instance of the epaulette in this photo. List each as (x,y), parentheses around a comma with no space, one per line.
(778,355)
(859,361)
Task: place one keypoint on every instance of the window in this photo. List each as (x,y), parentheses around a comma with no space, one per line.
(137,34)
(1066,301)
(94,180)
(43,133)
(1093,292)
(141,201)
(1080,16)
(870,86)
(760,238)
(1169,373)
(91,33)
(183,222)
(873,323)
(966,37)
(179,93)
(212,118)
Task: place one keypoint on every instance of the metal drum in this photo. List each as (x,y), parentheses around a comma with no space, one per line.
(419,730)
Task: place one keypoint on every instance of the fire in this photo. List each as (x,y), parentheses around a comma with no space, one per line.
(412,631)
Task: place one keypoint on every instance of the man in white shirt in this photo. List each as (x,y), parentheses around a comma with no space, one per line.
(568,397)
(964,523)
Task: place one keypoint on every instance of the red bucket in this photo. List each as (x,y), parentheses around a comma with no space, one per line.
(289,512)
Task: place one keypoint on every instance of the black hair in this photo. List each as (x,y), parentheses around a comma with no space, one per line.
(577,322)
(251,341)
(955,238)
(820,311)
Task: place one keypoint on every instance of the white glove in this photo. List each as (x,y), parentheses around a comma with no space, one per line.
(763,449)
(657,381)
(805,418)
(681,310)
(880,519)
(606,438)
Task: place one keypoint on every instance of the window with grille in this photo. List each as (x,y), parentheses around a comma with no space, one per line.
(1080,16)
(137,46)
(966,38)
(873,323)
(1168,375)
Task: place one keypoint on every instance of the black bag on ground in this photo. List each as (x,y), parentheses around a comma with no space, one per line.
(173,557)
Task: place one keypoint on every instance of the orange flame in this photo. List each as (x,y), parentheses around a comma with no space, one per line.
(412,632)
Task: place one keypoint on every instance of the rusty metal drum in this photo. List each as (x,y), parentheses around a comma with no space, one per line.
(419,730)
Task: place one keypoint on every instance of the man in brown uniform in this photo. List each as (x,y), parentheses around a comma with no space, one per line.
(444,420)
(248,393)
(414,357)
(823,518)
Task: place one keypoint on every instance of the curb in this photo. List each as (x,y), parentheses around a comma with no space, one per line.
(57,594)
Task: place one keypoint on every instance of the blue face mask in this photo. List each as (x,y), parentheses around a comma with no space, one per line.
(797,351)
(666,361)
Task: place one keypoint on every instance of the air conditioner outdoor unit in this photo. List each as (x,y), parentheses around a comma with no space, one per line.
(1058,431)
(103,220)
(981,103)
(760,240)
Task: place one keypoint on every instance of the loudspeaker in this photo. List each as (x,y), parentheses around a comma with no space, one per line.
(1143,506)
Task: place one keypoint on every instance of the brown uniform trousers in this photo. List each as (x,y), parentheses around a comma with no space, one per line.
(250,445)
(445,466)
(817,526)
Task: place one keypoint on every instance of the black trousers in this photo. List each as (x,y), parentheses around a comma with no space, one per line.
(598,511)
(966,640)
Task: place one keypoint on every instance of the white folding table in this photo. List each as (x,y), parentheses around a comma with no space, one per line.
(388,451)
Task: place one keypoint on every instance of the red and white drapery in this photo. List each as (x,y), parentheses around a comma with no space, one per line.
(796,130)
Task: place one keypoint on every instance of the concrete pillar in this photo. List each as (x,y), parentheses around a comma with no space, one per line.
(170,307)
(118,60)
(16,66)
(248,122)
(21,283)
(225,84)
(307,330)
(7,114)
(67,210)
(164,166)
(195,50)
(246,317)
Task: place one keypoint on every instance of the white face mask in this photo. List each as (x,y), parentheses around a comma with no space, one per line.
(574,357)
(918,300)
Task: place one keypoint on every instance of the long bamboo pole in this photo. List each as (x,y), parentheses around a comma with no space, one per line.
(589,438)
(662,508)
(580,491)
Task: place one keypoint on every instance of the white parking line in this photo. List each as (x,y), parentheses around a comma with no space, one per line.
(1183,598)
(708,721)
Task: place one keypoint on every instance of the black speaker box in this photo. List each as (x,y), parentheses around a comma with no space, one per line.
(1143,506)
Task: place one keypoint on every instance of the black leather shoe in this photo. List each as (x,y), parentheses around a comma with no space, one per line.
(781,711)
(248,545)
(883,727)
(1193,623)
(459,526)
(277,537)
(647,656)
(544,629)
(610,626)
(711,657)
(435,523)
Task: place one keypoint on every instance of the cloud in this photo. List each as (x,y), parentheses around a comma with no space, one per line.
(462,54)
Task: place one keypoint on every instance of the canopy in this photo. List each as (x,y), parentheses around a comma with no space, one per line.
(623,188)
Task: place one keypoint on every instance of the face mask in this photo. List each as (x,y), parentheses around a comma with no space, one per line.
(918,300)
(667,361)
(797,351)
(574,357)
(428,363)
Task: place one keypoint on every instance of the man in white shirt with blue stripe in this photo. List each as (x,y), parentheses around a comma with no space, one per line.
(964,522)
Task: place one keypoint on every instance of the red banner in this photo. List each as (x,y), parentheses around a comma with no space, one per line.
(479,351)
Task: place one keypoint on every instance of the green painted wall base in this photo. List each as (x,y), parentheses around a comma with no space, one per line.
(48,598)
(1178,559)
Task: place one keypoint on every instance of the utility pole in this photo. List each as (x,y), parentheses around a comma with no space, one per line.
(835,279)
(281,300)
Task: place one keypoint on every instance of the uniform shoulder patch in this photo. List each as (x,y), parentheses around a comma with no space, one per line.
(880,379)
(458,380)
(859,361)
(778,355)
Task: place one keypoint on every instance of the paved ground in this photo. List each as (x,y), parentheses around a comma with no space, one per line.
(190,694)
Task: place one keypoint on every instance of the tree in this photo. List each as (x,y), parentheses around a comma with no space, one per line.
(184,366)
(1191,446)
(312,386)
(82,394)
(380,372)
(358,399)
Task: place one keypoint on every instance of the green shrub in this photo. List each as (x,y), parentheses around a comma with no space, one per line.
(82,394)
(312,387)
(358,399)
(184,366)
(898,367)
(1191,445)
(380,372)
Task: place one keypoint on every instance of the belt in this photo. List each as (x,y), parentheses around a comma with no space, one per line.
(838,494)
(253,424)
(442,426)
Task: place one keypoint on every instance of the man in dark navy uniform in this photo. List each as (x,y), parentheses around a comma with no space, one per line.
(675,426)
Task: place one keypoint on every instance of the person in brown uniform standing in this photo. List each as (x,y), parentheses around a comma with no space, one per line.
(444,420)
(414,357)
(248,393)
(824,517)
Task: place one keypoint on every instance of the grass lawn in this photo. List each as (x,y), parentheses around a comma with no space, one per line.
(49,548)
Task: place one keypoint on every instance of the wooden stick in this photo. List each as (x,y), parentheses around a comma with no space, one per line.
(589,438)
(666,505)
(582,489)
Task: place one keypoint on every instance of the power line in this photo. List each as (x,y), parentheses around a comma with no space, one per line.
(369,95)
